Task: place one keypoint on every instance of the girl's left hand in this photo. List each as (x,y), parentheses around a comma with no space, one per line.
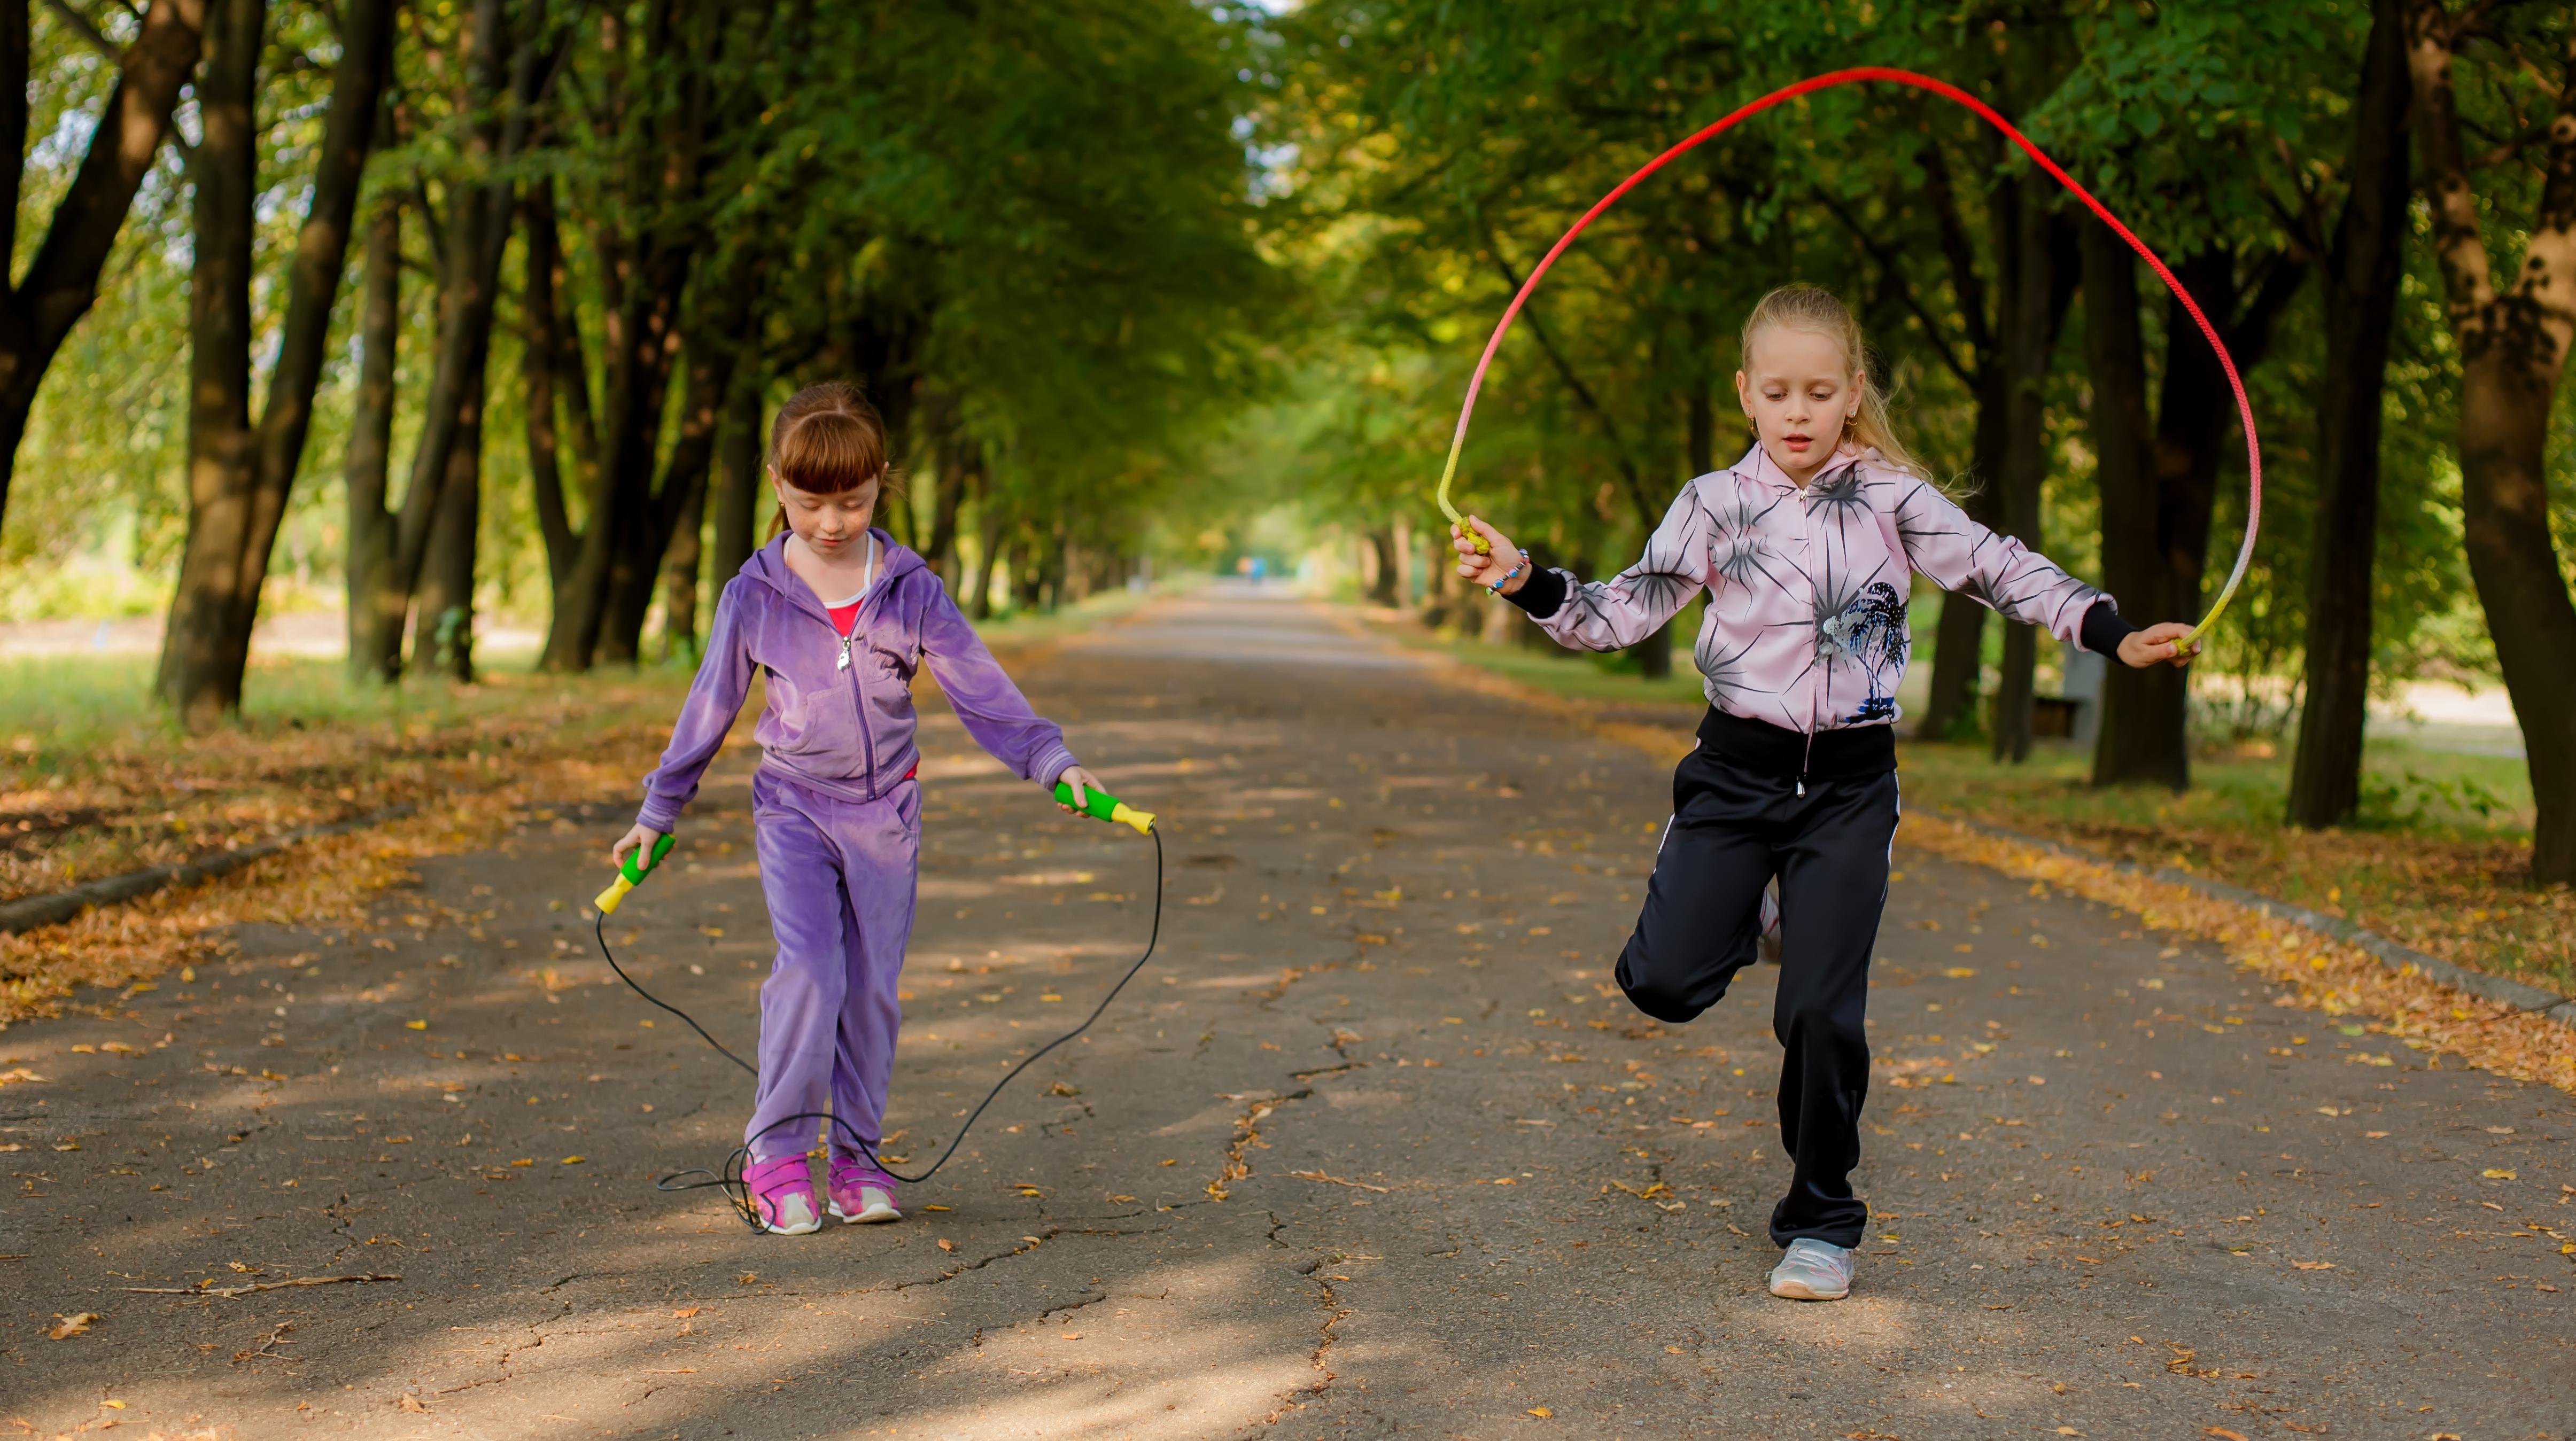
(1083,783)
(2161,644)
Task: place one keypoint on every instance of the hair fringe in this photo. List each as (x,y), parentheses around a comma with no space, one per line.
(828,440)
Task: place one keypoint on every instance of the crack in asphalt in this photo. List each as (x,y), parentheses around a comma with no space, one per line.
(1248,1134)
(1027,1246)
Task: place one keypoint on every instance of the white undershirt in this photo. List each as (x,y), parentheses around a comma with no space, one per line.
(867,582)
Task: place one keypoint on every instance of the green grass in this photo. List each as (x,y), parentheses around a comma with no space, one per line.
(2407,791)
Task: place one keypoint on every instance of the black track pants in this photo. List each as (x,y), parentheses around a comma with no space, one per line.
(1734,827)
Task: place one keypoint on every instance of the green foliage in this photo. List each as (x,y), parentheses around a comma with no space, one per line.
(1440,149)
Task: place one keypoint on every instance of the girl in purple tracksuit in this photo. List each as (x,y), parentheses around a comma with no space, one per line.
(835,617)
(1807,548)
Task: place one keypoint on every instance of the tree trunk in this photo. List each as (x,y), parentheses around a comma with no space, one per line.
(1382,585)
(478,229)
(988,558)
(240,482)
(1029,570)
(443,635)
(60,282)
(956,458)
(680,577)
(738,488)
(2144,736)
(541,358)
(225,172)
(2363,273)
(2513,350)
(376,603)
(2132,745)
(2035,303)
(712,354)
(1959,637)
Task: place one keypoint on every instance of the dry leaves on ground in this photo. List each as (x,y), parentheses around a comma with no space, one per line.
(471,785)
(2322,973)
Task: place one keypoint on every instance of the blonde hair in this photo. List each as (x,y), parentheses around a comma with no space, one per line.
(1818,311)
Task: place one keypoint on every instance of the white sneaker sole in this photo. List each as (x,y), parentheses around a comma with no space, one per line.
(1794,1290)
(870,1216)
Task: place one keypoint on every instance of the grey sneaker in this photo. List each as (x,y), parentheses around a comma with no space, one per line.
(1813,1271)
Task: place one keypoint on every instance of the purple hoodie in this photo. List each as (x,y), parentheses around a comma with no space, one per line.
(846,733)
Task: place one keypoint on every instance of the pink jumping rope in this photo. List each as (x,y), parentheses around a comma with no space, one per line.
(1983,111)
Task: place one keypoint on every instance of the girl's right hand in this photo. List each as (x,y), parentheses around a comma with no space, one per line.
(636,838)
(1494,563)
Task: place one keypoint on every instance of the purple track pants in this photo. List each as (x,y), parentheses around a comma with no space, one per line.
(839,878)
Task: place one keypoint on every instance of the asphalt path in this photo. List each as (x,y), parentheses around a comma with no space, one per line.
(1373,1148)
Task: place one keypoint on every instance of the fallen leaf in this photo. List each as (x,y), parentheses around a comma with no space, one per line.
(413,1403)
(1541,1412)
(2313,1265)
(73,1325)
(2068,1431)
(415,1026)
(574,1160)
(2495,1174)
(947,1245)
(113,1405)
(686,1312)
(2223,1434)
(1960,973)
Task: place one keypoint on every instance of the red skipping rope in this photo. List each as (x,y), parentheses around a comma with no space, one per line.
(1983,111)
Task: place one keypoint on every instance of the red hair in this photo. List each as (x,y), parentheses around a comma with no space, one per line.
(827,440)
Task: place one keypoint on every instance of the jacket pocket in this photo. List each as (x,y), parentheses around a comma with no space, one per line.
(821,737)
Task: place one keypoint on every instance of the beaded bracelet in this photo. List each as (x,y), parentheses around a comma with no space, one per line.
(1496,587)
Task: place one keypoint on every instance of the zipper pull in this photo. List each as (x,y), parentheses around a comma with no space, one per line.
(1802,780)
(844,663)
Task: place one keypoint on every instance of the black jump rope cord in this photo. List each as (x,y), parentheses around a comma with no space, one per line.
(730,1178)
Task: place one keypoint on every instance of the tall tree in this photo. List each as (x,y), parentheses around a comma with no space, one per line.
(738,485)
(504,80)
(2362,266)
(61,281)
(239,477)
(663,107)
(2159,485)
(2038,276)
(378,598)
(2513,333)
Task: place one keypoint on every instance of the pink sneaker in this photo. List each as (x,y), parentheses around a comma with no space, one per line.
(782,1195)
(861,1192)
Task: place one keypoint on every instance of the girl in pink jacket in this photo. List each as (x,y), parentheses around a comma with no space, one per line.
(1807,548)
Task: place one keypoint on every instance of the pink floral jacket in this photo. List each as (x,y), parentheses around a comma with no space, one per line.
(1805,626)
